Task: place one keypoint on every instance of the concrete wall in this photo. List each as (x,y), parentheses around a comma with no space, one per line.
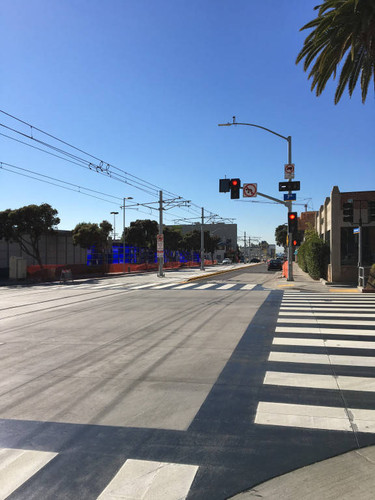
(55,248)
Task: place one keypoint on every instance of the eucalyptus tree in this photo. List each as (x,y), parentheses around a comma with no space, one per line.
(26,225)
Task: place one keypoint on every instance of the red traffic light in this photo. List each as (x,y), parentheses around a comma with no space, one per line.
(234,182)
(295,243)
(292,215)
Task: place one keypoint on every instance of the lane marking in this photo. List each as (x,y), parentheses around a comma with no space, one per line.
(324,314)
(321,359)
(138,287)
(314,381)
(166,285)
(327,308)
(315,417)
(324,321)
(248,287)
(226,287)
(325,331)
(344,344)
(17,466)
(186,285)
(141,479)
(203,287)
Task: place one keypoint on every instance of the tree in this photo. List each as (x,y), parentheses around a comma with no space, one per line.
(26,225)
(281,233)
(211,243)
(343,29)
(87,235)
(191,241)
(142,234)
(172,238)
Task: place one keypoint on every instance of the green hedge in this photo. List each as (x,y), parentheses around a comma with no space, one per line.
(313,256)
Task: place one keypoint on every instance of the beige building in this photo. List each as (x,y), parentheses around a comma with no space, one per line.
(343,242)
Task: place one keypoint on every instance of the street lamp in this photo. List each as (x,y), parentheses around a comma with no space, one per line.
(123,224)
(289,140)
(114,224)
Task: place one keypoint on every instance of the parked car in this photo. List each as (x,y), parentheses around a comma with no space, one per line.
(274,264)
(226,261)
(255,260)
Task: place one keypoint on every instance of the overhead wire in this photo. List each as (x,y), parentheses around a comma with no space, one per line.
(103,168)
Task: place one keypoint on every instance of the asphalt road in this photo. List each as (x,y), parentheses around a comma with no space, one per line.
(132,386)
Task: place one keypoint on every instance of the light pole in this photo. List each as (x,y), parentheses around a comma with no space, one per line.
(114,224)
(123,226)
(289,140)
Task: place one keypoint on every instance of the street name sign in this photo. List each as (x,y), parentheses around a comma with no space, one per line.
(290,196)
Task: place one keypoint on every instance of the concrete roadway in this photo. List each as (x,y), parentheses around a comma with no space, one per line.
(136,386)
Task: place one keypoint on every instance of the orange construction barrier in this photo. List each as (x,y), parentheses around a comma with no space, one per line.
(285,269)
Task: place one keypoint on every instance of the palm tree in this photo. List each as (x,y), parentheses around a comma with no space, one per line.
(343,28)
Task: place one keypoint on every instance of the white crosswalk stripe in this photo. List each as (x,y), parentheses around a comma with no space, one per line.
(17,466)
(321,330)
(141,479)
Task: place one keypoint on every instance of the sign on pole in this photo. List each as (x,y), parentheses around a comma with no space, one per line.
(290,197)
(160,245)
(250,190)
(289,171)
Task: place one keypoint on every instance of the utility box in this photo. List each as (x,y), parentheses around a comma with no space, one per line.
(17,268)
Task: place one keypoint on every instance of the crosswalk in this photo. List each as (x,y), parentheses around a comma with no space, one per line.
(322,342)
(136,479)
(195,285)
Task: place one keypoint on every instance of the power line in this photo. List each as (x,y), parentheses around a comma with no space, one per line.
(102,167)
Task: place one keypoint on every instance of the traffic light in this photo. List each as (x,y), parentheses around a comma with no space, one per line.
(292,222)
(348,210)
(296,241)
(235,186)
(224,185)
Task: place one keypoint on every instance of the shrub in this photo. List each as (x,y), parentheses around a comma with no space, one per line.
(313,255)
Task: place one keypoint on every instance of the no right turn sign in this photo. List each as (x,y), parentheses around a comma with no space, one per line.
(250,190)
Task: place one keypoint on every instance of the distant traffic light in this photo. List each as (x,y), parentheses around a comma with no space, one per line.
(235,186)
(292,222)
(224,185)
(348,211)
(296,242)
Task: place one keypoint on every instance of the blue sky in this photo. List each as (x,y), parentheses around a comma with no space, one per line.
(142,85)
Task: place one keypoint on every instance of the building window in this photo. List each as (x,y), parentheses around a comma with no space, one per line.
(349,247)
(371,211)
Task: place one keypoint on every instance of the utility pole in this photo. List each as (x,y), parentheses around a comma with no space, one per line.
(160,253)
(202,241)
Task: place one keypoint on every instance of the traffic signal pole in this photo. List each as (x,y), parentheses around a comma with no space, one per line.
(202,241)
(289,203)
(290,236)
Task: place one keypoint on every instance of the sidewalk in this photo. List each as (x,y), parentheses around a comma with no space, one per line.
(344,477)
(347,476)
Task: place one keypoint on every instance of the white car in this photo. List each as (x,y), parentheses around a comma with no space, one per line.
(226,261)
